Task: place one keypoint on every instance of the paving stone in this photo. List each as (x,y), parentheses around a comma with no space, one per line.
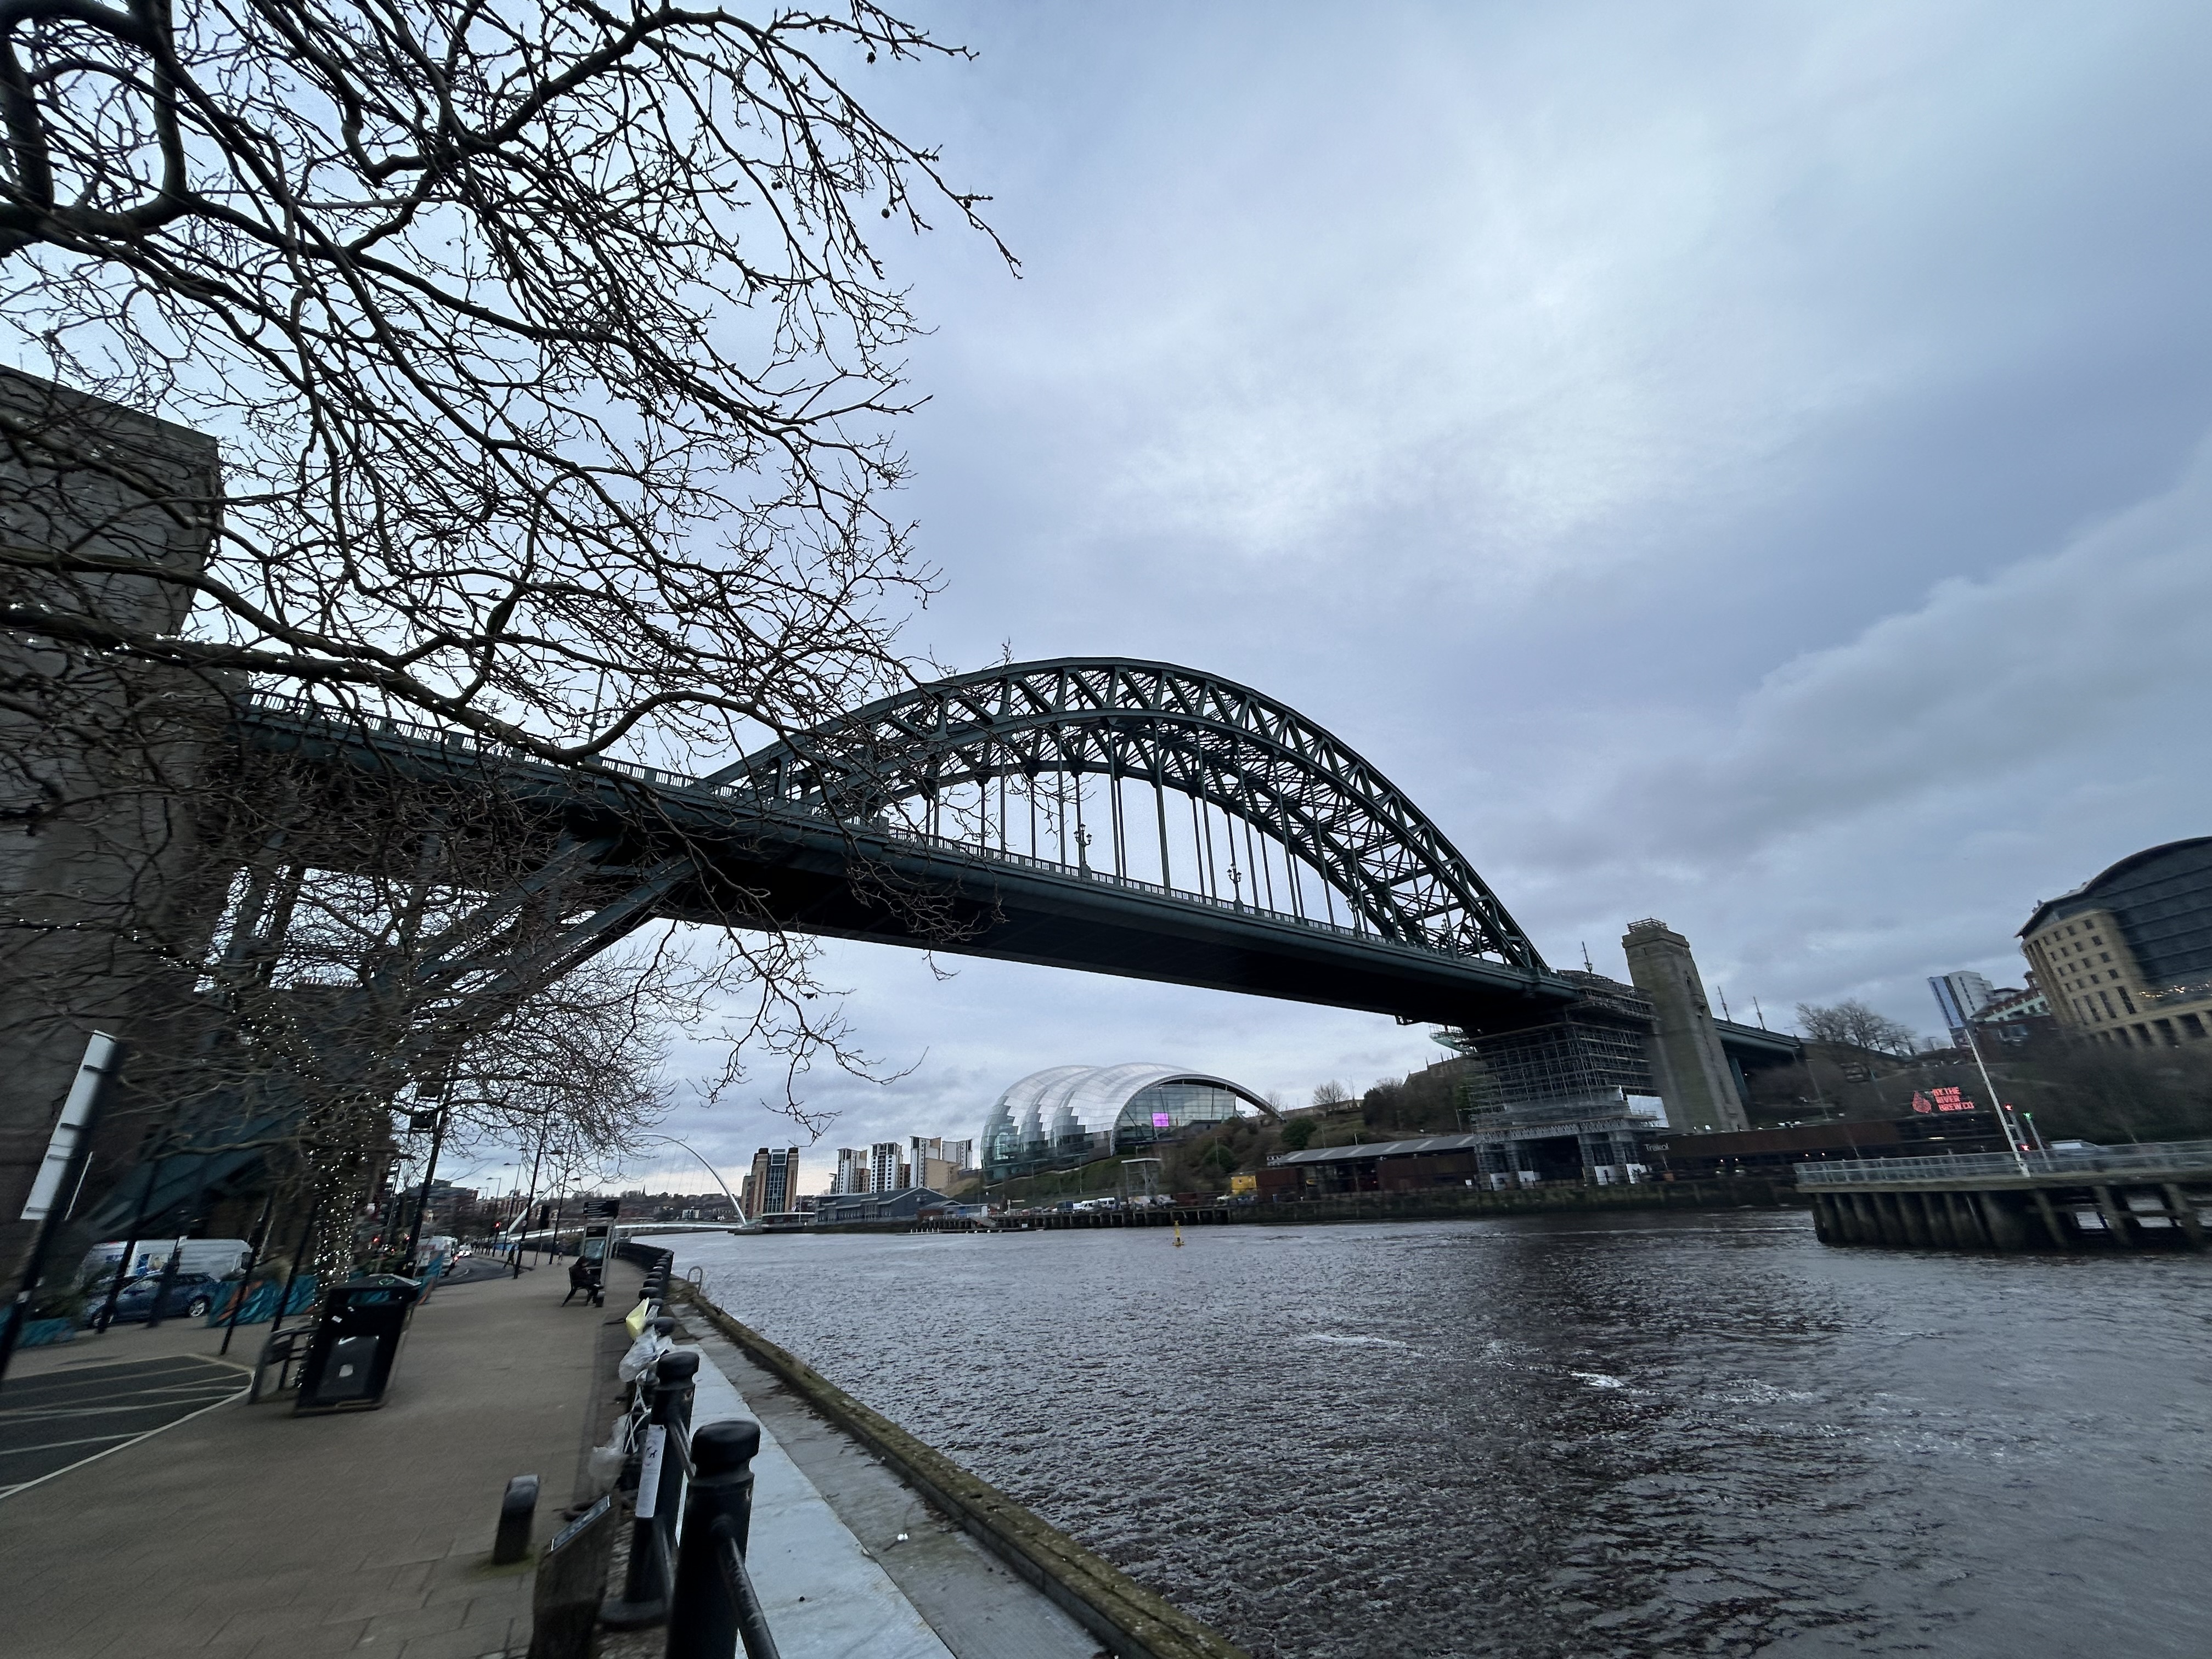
(430,1621)
(375,1603)
(464,1644)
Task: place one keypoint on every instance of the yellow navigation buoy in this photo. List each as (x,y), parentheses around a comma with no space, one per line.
(1178,1232)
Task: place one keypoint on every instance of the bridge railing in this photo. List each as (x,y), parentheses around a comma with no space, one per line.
(2150,1157)
(1133,884)
(307,709)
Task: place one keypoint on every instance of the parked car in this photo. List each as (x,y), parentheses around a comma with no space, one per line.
(192,1296)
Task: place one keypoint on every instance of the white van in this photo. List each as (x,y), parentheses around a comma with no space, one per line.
(217,1257)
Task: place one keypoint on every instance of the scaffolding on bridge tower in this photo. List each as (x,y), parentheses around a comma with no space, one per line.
(1588,1056)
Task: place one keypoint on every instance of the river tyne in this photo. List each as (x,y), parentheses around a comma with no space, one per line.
(1545,1436)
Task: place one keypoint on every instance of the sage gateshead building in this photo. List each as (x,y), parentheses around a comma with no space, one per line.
(1073,1114)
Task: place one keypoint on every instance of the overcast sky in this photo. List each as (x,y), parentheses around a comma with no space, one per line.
(1749,465)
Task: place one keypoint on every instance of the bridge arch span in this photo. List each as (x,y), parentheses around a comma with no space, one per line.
(967,759)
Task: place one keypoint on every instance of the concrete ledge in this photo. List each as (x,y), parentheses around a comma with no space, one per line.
(1122,1613)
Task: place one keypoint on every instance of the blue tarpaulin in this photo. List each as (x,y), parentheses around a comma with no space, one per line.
(261,1302)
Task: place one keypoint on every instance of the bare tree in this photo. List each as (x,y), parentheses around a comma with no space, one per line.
(1331,1093)
(550,353)
(553,370)
(1854,1023)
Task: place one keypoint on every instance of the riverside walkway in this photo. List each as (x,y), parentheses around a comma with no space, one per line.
(245,1530)
(156,1514)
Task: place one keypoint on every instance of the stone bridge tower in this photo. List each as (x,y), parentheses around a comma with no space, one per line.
(1694,1073)
(104,886)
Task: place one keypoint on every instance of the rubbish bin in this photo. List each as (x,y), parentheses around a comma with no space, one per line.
(349,1358)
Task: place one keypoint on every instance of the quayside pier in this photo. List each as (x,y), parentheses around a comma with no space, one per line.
(2156,1196)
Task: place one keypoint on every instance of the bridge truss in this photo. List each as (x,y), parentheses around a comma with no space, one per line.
(1044,759)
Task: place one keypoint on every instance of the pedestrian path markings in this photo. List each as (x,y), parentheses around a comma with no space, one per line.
(59,1420)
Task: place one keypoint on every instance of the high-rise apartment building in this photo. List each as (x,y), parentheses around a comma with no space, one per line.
(886,1168)
(1961,996)
(931,1161)
(851,1176)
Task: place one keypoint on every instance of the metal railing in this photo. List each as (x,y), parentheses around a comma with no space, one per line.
(693,1515)
(983,852)
(2149,1158)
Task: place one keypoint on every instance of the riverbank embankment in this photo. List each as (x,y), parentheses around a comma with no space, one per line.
(1417,1204)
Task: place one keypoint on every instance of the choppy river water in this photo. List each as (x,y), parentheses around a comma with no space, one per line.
(1539,1438)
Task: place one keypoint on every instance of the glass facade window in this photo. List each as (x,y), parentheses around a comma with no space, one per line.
(1071,1113)
(1168,1109)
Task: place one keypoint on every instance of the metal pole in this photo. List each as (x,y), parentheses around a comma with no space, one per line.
(107,1313)
(644,1599)
(2004,1120)
(1160,819)
(176,1253)
(246,1278)
(437,1140)
(306,1237)
(542,1133)
(1114,809)
(66,1152)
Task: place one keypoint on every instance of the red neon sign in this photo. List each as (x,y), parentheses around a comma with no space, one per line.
(1943,1099)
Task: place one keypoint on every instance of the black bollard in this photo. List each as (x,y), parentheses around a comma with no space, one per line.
(644,1599)
(703,1622)
(517,1510)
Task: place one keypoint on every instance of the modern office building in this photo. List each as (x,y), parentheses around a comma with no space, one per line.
(2126,957)
(2013,1014)
(1068,1114)
(771,1186)
(1959,998)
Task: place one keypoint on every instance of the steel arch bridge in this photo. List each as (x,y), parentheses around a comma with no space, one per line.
(1245,847)
(1313,803)
(897,823)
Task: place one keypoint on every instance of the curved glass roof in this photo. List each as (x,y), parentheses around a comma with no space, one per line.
(1056,1106)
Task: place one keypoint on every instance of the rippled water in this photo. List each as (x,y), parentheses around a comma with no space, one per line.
(1665,1434)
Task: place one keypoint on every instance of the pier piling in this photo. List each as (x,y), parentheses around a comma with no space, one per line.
(2127,1198)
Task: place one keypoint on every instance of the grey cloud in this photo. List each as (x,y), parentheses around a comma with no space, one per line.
(1734,462)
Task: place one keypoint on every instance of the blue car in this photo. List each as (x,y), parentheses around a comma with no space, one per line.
(191,1296)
